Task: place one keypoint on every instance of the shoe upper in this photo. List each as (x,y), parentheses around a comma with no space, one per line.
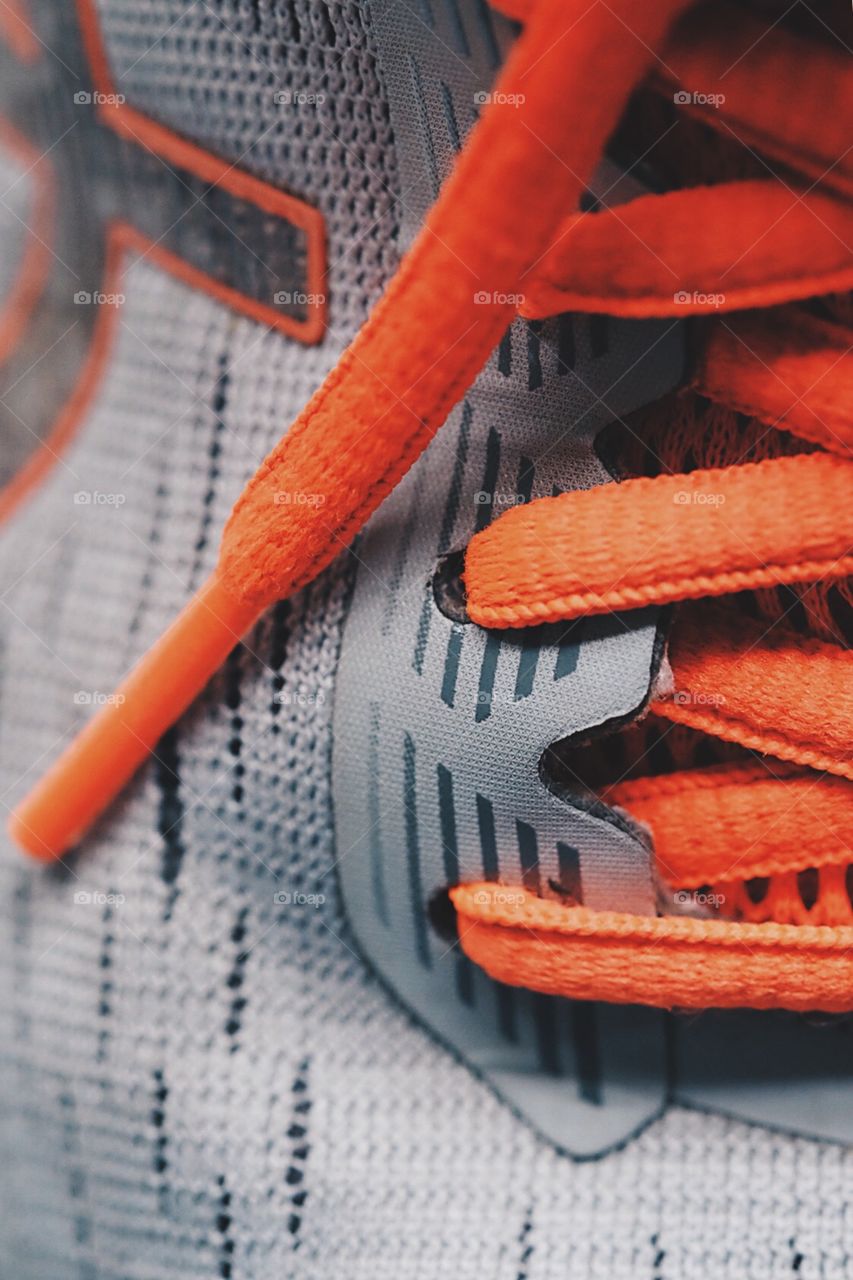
(240,1034)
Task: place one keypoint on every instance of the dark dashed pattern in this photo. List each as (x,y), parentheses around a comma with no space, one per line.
(483,14)
(505,354)
(278,642)
(448,521)
(490,479)
(423,120)
(233,698)
(465,980)
(460,40)
(451,664)
(599,336)
(170,815)
(447,816)
(488,839)
(234,981)
(214,450)
(105,986)
(298,1134)
(545,1020)
(223,1229)
(158,520)
(659,1258)
(565,345)
(488,670)
(22,916)
(587,1056)
(528,854)
(507,1023)
(569,651)
(450,117)
(161,1140)
(413,860)
(77,1182)
(485,506)
(525,1245)
(534,356)
(377,853)
(569,863)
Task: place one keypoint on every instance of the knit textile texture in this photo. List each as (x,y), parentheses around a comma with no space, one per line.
(199,1077)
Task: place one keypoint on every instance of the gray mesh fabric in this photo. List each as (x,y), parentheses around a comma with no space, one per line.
(198,1074)
(290,91)
(16,193)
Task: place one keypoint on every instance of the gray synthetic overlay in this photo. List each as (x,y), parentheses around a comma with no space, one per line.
(197,1079)
(440,727)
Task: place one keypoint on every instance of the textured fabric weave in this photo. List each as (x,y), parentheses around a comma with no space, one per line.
(200,1080)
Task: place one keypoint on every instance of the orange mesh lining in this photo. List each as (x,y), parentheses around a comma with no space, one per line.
(777,85)
(726,247)
(686,430)
(653,541)
(791,99)
(718,824)
(788,369)
(766,687)
(645,748)
(783,902)
(526,941)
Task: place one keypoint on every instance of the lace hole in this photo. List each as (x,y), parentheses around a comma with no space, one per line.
(441,914)
(448,588)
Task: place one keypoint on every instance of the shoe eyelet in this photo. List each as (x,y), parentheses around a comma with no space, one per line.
(448,587)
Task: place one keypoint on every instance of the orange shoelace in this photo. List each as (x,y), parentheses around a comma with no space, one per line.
(752,243)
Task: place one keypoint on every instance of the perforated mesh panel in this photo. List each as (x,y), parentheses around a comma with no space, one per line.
(291,91)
